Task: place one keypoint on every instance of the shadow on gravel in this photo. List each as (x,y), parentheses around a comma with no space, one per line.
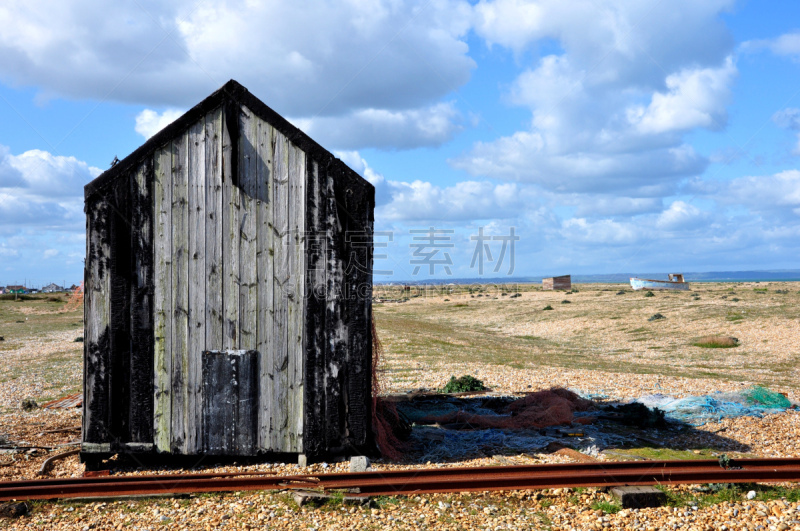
(445,428)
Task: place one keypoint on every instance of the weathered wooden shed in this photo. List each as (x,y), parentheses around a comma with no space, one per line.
(562,282)
(227,292)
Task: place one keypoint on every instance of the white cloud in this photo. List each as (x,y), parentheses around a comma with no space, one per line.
(525,157)
(696,98)
(43,190)
(609,109)
(320,58)
(380,128)
(607,205)
(787,44)
(681,216)
(600,232)
(789,118)
(44,174)
(398,201)
(50,253)
(610,39)
(771,195)
(150,122)
(468,200)
(511,23)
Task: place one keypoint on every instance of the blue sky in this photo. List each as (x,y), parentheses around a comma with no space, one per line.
(612,136)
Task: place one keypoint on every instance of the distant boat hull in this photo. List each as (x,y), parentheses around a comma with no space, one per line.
(645,283)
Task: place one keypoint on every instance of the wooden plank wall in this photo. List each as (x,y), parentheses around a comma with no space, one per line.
(119,326)
(338,377)
(231,237)
(97,291)
(229,273)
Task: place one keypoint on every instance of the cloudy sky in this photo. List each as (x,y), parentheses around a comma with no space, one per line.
(609,136)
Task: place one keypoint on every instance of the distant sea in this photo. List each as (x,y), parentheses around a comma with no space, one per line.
(784,275)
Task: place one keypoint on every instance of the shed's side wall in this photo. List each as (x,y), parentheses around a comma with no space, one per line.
(229,273)
(338,314)
(118,384)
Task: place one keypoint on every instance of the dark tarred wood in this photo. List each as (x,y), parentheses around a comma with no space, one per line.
(142,355)
(230,393)
(119,322)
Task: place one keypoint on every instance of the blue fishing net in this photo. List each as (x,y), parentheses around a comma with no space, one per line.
(697,410)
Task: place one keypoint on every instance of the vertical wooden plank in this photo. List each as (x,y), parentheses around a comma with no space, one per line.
(356,202)
(314,392)
(230,239)
(248,186)
(218,411)
(295,292)
(180,290)
(96,315)
(197,282)
(142,355)
(213,230)
(162,298)
(335,327)
(280,222)
(264,260)
(230,418)
(119,270)
(246,394)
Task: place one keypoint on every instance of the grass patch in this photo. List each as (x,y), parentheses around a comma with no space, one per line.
(657,454)
(649,294)
(548,307)
(656,317)
(734,316)
(716,342)
(465,384)
(716,493)
(606,507)
(565,301)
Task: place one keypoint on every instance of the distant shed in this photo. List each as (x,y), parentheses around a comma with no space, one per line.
(563,282)
(227,292)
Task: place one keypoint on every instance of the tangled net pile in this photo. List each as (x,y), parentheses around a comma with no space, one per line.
(385,419)
(552,407)
(697,410)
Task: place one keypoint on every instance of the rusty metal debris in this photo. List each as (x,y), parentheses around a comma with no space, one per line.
(66,402)
(418,481)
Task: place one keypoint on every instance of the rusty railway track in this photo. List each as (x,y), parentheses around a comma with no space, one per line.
(417,481)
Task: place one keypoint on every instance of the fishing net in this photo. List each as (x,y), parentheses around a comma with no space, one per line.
(386,422)
(697,410)
(761,396)
(552,407)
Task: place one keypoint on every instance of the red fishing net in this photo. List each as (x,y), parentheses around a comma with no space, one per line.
(385,420)
(541,409)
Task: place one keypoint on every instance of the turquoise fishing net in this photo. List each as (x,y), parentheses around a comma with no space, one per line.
(697,410)
(761,396)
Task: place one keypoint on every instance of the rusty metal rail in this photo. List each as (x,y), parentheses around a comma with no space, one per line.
(417,481)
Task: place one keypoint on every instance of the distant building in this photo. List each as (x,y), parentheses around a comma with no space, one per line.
(2,290)
(563,282)
(52,288)
(16,289)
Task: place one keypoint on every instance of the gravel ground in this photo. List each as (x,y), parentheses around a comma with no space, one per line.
(25,374)
(559,509)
